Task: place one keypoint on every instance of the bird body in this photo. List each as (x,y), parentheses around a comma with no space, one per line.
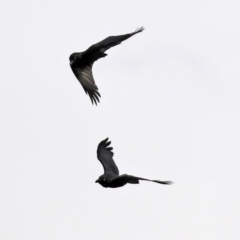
(111,177)
(82,62)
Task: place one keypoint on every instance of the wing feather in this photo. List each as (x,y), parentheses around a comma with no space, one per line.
(125,178)
(111,41)
(85,77)
(105,156)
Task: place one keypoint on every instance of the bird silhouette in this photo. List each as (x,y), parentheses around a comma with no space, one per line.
(82,62)
(111,177)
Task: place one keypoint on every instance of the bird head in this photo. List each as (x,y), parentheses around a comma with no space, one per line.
(74,58)
(102,181)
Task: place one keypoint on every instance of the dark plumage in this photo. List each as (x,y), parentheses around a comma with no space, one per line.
(111,177)
(82,62)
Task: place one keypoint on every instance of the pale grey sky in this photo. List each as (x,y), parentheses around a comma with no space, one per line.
(170,105)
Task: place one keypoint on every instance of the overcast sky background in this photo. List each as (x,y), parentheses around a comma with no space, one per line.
(170,105)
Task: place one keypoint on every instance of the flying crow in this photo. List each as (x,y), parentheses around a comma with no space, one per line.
(111,177)
(82,62)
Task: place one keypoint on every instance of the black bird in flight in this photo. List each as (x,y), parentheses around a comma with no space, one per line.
(82,62)
(111,177)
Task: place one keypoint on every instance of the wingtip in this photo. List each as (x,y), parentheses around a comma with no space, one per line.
(104,141)
(138,30)
(93,95)
(94,99)
(106,145)
(166,182)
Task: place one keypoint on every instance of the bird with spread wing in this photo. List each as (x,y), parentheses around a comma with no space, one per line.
(111,177)
(82,62)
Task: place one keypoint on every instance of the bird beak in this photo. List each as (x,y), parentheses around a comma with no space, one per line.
(96,181)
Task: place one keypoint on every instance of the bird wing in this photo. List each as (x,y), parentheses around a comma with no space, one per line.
(111,41)
(125,178)
(85,77)
(104,155)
